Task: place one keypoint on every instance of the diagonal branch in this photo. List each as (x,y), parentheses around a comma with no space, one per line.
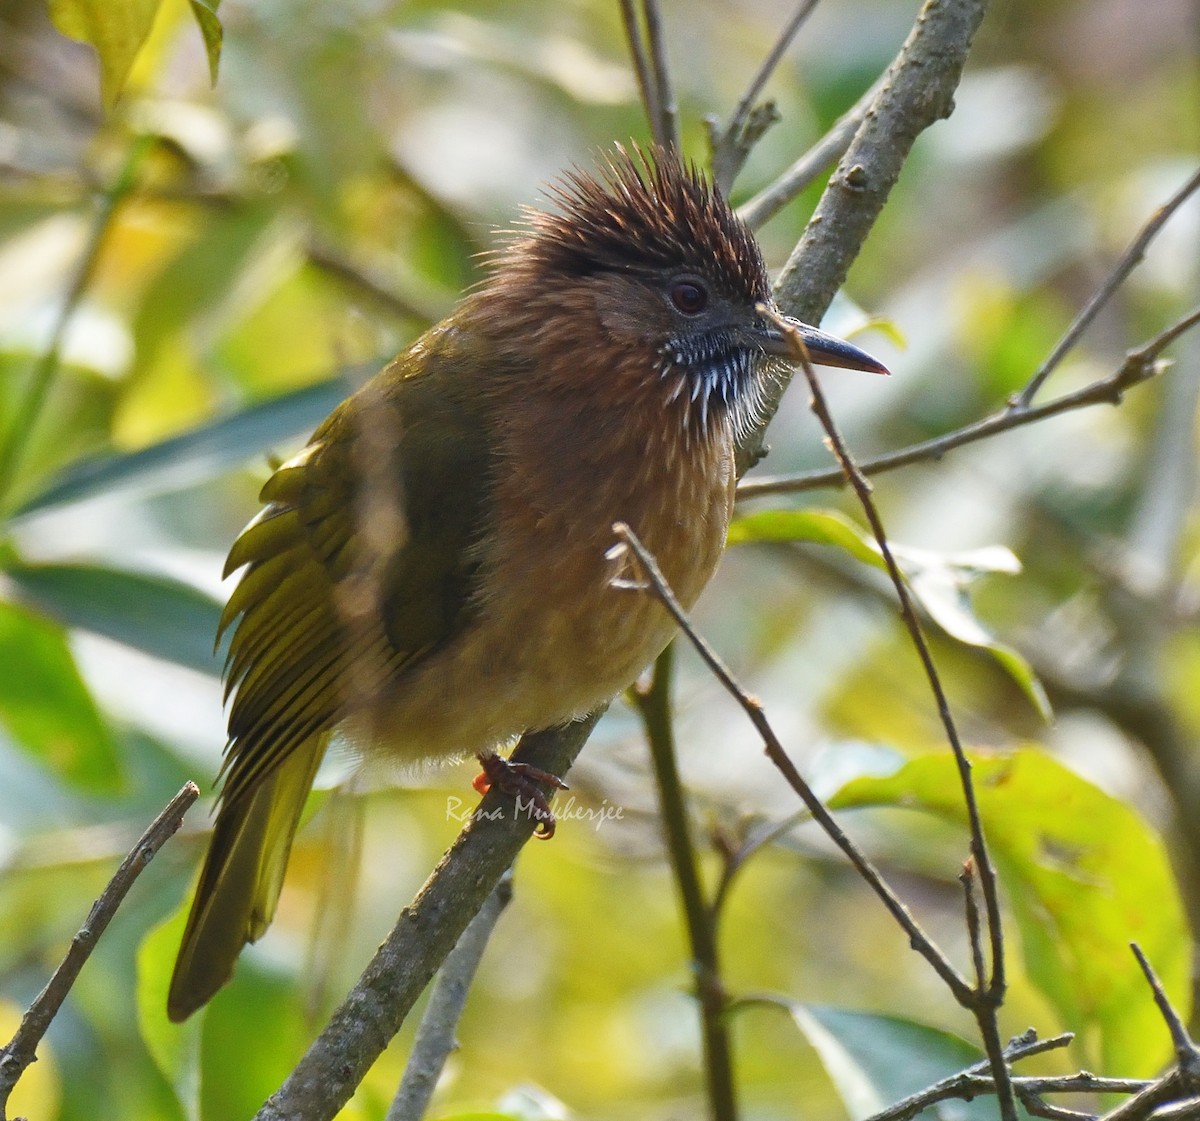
(731,145)
(832,146)
(22,1048)
(920,941)
(916,90)
(1140,365)
(1129,260)
(987,997)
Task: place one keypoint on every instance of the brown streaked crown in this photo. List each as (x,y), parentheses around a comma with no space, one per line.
(648,210)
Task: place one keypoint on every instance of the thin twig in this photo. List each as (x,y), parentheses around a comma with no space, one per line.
(920,941)
(1187,1055)
(985,999)
(974,929)
(29,406)
(775,196)
(448,997)
(1140,365)
(654,706)
(648,53)
(666,130)
(1129,260)
(736,859)
(22,1048)
(731,145)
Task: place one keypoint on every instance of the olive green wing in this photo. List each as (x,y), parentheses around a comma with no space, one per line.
(360,564)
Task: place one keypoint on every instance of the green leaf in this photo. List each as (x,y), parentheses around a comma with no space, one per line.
(197,455)
(45,706)
(943,588)
(875,1060)
(116,29)
(940,582)
(175,1048)
(1084,876)
(820,527)
(163,617)
(205,12)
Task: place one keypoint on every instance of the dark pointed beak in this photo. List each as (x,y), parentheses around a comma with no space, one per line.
(823,349)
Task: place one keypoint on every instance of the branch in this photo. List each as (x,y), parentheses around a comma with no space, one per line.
(1140,365)
(730,146)
(326,1077)
(987,997)
(832,146)
(1129,260)
(920,941)
(21,1050)
(649,56)
(654,706)
(436,1035)
(916,90)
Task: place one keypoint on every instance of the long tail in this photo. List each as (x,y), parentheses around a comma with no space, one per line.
(243,873)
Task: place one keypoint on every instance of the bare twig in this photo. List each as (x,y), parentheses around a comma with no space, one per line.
(730,146)
(920,941)
(775,196)
(380,288)
(667,128)
(1187,1055)
(654,706)
(974,928)
(29,405)
(648,52)
(22,1048)
(1140,365)
(436,1034)
(1129,260)
(986,999)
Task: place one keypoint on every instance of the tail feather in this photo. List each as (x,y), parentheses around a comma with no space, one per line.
(242,877)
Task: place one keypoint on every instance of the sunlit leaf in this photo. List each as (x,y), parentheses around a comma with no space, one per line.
(155,614)
(875,1060)
(820,527)
(117,29)
(45,706)
(1084,876)
(196,455)
(939,581)
(205,12)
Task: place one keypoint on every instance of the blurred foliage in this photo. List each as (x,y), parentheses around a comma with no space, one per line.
(245,253)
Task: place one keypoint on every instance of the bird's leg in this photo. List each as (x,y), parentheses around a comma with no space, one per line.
(522,782)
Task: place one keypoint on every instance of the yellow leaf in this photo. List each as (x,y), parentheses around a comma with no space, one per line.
(116,29)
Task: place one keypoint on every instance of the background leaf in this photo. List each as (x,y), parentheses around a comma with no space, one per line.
(875,1060)
(115,28)
(155,614)
(1084,876)
(45,706)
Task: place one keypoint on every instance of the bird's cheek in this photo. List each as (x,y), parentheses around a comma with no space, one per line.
(625,314)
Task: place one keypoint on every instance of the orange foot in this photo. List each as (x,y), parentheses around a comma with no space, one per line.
(522,782)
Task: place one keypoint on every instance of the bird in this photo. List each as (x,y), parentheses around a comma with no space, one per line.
(432,574)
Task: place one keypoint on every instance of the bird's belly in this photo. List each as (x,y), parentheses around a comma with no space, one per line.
(553,639)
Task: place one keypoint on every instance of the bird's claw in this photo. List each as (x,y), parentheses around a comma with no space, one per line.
(524,783)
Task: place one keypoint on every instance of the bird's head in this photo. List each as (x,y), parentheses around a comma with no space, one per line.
(654,270)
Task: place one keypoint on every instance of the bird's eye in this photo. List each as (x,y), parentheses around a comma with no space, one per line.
(689,297)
